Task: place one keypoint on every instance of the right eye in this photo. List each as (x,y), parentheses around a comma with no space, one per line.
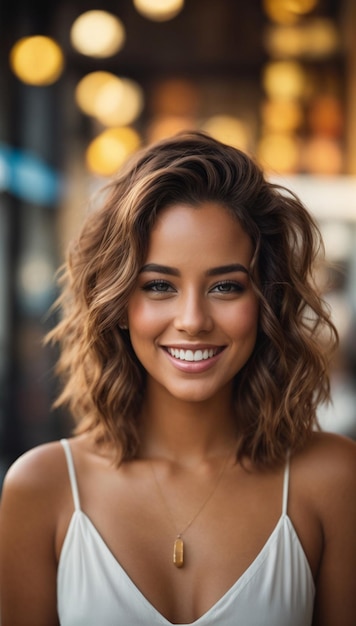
(158,286)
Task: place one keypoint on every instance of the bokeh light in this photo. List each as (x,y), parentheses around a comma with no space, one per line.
(325,115)
(112,100)
(284,79)
(279,153)
(159,10)
(315,38)
(98,34)
(301,7)
(322,155)
(26,176)
(88,88)
(228,129)
(35,282)
(119,102)
(288,11)
(282,115)
(37,60)
(109,150)
(168,125)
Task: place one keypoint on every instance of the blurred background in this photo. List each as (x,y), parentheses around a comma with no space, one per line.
(83,84)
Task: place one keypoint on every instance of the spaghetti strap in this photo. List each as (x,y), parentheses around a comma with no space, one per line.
(285,487)
(71,472)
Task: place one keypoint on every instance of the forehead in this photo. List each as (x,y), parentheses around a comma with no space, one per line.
(207,230)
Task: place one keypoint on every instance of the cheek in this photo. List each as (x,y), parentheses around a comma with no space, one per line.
(244,320)
(143,317)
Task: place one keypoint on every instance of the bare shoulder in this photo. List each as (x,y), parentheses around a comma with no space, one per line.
(326,471)
(325,477)
(326,443)
(33,494)
(37,470)
(42,473)
(330,455)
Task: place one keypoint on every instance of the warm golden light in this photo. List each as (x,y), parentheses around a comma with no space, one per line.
(301,7)
(282,115)
(284,79)
(315,38)
(323,155)
(109,150)
(37,60)
(159,10)
(228,129)
(168,125)
(119,102)
(97,34)
(288,11)
(284,41)
(112,100)
(276,11)
(88,88)
(322,37)
(279,153)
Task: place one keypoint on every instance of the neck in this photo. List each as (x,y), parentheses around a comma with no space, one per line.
(186,432)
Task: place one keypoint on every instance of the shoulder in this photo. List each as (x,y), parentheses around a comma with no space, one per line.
(43,470)
(36,481)
(326,470)
(329,452)
(36,495)
(325,474)
(34,491)
(33,499)
(36,468)
(328,457)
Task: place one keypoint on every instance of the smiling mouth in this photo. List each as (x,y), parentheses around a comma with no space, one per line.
(193,355)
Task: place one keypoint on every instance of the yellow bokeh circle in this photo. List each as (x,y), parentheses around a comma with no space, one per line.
(37,60)
(109,150)
(98,34)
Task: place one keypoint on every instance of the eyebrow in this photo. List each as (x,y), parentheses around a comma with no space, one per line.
(214,271)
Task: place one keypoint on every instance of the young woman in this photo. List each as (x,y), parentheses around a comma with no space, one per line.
(194,353)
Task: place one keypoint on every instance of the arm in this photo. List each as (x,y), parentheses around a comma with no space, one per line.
(336,582)
(28,521)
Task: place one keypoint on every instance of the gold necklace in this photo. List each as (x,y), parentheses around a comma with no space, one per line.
(178,546)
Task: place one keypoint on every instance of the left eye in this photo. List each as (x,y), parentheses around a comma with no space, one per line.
(227,287)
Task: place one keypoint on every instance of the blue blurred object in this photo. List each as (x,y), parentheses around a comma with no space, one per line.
(27,177)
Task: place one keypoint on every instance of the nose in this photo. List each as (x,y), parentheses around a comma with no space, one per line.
(193,315)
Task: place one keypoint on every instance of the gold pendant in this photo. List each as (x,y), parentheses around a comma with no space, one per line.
(178,552)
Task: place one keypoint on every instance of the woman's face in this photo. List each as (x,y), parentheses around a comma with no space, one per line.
(193,314)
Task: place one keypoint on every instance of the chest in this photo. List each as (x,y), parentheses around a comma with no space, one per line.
(276,584)
(229,539)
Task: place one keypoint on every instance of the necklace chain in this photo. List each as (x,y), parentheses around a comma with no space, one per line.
(178,554)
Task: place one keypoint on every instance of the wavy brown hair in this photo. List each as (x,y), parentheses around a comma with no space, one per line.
(278,390)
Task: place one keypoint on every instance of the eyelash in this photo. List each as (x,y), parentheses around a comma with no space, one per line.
(154,285)
(236,287)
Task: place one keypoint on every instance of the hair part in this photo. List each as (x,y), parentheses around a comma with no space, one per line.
(278,390)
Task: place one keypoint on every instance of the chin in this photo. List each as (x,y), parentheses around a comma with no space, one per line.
(194,395)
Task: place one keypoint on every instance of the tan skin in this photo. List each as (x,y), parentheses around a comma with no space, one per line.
(186,434)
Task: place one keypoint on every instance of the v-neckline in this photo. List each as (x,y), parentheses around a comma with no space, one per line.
(236,587)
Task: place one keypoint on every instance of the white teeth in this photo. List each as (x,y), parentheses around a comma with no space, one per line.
(192,355)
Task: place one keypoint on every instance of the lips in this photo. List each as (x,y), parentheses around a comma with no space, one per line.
(196,355)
